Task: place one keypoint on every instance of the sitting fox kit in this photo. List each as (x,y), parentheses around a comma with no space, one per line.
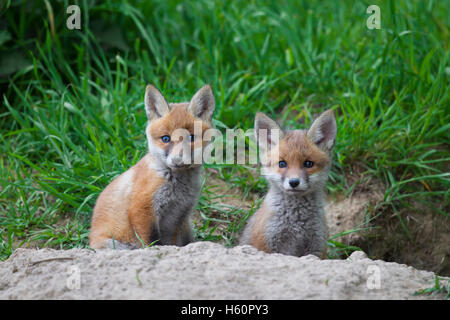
(291,219)
(154,199)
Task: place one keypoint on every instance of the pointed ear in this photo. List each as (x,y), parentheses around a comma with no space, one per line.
(266,130)
(323,131)
(155,104)
(202,104)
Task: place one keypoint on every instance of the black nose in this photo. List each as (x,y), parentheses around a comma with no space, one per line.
(294,182)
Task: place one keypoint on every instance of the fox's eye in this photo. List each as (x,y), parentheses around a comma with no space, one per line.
(192,137)
(165,139)
(282,164)
(308,164)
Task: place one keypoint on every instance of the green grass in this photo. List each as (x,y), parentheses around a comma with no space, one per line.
(443,289)
(72,115)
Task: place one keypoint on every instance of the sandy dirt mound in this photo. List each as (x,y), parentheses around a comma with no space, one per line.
(203,270)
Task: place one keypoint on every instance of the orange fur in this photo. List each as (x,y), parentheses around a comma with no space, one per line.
(125,210)
(178,118)
(258,238)
(292,218)
(140,211)
(295,148)
(120,217)
(125,207)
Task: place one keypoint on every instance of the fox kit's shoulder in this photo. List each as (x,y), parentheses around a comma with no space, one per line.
(296,164)
(152,201)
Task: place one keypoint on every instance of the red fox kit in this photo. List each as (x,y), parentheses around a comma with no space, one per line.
(153,200)
(291,219)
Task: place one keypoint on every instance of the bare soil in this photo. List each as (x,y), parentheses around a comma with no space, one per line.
(204,270)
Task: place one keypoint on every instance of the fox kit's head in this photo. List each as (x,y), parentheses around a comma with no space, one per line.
(175,130)
(297,161)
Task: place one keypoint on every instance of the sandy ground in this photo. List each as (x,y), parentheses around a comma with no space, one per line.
(203,270)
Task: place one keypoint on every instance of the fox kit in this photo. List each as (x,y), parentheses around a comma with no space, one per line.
(291,219)
(154,199)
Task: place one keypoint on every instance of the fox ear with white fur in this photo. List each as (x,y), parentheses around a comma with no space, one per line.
(202,104)
(323,131)
(156,105)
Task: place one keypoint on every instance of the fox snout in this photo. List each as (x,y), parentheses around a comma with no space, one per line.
(177,161)
(295,183)
(181,152)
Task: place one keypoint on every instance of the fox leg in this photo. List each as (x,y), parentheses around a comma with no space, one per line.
(319,248)
(142,220)
(183,234)
(186,235)
(111,243)
(118,245)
